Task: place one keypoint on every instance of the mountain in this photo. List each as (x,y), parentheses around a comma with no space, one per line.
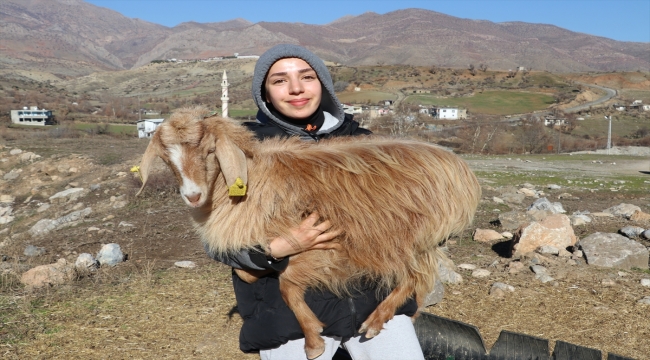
(72,38)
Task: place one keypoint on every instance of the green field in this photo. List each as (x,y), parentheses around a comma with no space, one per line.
(491,102)
(112,128)
(365,96)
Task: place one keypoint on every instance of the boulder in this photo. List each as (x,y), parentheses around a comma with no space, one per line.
(67,195)
(33,251)
(86,262)
(53,274)
(545,205)
(110,254)
(640,216)
(632,231)
(623,210)
(512,220)
(486,235)
(436,295)
(614,251)
(555,230)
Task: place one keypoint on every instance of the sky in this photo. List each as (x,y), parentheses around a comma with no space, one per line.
(624,20)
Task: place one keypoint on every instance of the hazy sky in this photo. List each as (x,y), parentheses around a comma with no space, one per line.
(626,20)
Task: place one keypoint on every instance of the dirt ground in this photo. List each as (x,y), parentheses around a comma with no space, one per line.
(147,308)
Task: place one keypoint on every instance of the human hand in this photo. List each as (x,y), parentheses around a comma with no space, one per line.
(308,235)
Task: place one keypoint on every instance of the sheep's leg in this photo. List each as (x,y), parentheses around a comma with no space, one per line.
(294,296)
(385,311)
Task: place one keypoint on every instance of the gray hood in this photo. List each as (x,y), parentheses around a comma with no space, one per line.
(329,102)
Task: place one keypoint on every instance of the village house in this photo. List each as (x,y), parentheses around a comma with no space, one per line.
(551,121)
(32,116)
(147,127)
(352,109)
(451,113)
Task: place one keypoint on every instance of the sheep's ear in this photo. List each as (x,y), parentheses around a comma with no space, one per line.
(232,161)
(153,149)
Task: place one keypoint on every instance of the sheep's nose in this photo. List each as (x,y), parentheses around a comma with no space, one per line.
(193,198)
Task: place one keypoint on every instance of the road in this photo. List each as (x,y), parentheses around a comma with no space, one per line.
(610,94)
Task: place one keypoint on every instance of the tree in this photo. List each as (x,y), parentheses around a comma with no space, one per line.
(532,135)
(472,70)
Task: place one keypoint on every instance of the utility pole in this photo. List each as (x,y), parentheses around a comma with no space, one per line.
(609,133)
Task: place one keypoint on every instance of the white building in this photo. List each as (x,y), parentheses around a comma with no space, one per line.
(351,109)
(32,116)
(147,127)
(449,113)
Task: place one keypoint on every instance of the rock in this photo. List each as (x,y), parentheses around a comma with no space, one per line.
(577,220)
(125,224)
(33,251)
(507,235)
(541,274)
(503,287)
(623,210)
(539,215)
(95,187)
(67,196)
(110,254)
(480,273)
(467,266)
(645,282)
(632,231)
(486,235)
(640,216)
(92,229)
(644,301)
(12,175)
(7,199)
(120,204)
(602,214)
(43,207)
(614,250)
(553,187)
(513,198)
(53,274)
(548,250)
(436,295)
(528,186)
(15,152)
(185,264)
(512,220)
(86,262)
(555,230)
(515,267)
(447,274)
(564,253)
(44,226)
(497,200)
(527,192)
(28,156)
(646,235)
(545,204)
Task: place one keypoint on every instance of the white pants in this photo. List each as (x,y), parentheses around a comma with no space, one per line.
(396,341)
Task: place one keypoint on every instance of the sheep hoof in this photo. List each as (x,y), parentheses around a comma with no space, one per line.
(370,332)
(314,352)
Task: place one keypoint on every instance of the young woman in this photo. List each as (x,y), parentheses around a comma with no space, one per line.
(295,95)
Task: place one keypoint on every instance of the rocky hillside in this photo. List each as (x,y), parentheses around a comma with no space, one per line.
(72,37)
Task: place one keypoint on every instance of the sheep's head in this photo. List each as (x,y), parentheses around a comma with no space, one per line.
(195,155)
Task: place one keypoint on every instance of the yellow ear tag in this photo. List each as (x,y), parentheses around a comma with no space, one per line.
(237,189)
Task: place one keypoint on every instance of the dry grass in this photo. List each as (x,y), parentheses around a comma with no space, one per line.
(143,313)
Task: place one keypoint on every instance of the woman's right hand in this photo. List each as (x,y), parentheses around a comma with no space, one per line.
(309,237)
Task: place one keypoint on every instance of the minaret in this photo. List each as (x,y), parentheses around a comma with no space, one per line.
(224,95)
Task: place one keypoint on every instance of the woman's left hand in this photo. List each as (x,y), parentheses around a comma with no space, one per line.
(308,235)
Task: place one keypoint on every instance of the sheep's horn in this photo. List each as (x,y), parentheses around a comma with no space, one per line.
(153,149)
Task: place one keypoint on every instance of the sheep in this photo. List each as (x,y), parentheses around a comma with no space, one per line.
(393,201)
